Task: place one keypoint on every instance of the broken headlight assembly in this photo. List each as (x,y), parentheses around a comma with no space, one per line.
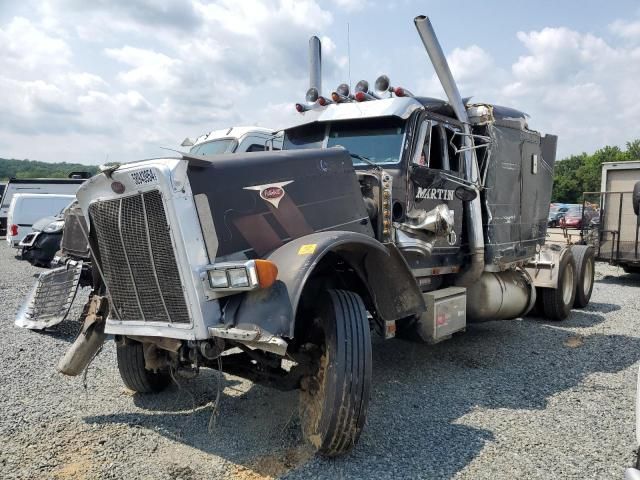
(242,276)
(54,227)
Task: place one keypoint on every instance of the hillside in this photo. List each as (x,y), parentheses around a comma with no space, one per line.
(35,169)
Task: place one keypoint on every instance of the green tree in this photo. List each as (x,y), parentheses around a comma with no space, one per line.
(581,173)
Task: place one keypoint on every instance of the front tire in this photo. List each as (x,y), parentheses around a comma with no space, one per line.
(584,256)
(557,302)
(334,401)
(133,372)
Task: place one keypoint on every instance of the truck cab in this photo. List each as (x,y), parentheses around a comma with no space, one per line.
(417,146)
(234,140)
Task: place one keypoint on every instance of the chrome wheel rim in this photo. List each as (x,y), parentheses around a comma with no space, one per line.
(567,284)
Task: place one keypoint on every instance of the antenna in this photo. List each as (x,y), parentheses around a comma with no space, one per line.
(349,53)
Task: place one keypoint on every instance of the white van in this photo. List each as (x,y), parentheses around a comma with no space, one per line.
(27,208)
(57,186)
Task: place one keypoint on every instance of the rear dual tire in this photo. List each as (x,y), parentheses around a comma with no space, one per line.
(556,303)
(584,257)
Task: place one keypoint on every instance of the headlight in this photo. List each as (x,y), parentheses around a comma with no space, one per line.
(239,276)
(54,227)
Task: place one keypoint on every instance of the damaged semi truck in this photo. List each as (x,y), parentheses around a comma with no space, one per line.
(387,212)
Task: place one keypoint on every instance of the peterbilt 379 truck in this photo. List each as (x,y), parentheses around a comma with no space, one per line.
(385,212)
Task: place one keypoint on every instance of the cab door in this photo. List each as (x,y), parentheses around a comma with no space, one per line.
(432,174)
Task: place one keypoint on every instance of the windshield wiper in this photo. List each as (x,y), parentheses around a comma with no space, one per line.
(365,160)
(362,158)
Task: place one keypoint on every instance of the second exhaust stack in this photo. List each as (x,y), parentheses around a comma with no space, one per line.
(474,210)
(315,64)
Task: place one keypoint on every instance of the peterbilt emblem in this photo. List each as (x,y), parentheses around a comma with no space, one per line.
(272,192)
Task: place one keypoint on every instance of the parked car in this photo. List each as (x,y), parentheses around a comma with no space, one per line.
(556,212)
(57,186)
(27,208)
(574,217)
(40,246)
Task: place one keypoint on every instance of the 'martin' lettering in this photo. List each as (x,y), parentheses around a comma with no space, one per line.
(434,194)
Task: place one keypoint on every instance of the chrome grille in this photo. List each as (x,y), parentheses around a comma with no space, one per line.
(73,237)
(137,258)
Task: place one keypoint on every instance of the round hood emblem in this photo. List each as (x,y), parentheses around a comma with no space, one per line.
(272,193)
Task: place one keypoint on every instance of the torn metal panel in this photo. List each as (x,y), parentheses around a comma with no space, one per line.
(51,298)
(518,177)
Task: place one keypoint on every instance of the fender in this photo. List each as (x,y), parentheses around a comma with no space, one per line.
(381,267)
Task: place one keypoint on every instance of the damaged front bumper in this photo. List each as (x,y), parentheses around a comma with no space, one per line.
(51,298)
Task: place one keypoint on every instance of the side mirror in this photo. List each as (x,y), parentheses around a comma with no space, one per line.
(635,198)
(466,194)
(187,142)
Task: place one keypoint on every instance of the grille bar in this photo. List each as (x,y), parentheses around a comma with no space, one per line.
(153,263)
(138,259)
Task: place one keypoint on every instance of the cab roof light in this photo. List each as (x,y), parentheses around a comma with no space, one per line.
(324,101)
(364,96)
(402,92)
(341,94)
(302,108)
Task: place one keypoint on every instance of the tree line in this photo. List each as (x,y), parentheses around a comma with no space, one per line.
(33,169)
(581,173)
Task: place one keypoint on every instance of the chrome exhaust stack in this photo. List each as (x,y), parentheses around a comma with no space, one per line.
(474,209)
(315,64)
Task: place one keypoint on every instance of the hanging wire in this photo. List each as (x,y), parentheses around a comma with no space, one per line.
(215,407)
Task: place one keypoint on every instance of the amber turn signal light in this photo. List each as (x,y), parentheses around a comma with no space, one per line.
(267,272)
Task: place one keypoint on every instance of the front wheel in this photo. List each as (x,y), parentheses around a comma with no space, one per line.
(334,401)
(133,372)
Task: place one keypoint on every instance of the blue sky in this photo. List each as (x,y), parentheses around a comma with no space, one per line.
(83,80)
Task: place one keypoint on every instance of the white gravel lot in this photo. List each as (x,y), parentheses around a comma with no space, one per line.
(505,400)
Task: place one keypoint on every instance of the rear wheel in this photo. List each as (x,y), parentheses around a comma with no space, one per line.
(334,401)
(133,372)
(557,302)
(584,257)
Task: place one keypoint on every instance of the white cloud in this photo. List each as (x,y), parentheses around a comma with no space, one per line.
(125,77)
(150,68)
(24,48)
(350,5)
(626,29)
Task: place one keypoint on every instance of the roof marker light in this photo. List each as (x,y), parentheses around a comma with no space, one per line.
(324,101)
(402,92)
(361,97)
(302,108)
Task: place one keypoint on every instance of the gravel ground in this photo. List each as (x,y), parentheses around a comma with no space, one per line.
(512,399)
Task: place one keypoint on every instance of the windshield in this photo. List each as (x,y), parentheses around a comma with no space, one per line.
(214,147)
(377,139)
(380,143)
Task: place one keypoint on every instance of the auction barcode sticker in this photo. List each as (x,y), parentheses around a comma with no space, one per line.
(143,176)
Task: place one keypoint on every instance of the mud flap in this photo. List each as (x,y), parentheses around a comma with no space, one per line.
(51,298)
